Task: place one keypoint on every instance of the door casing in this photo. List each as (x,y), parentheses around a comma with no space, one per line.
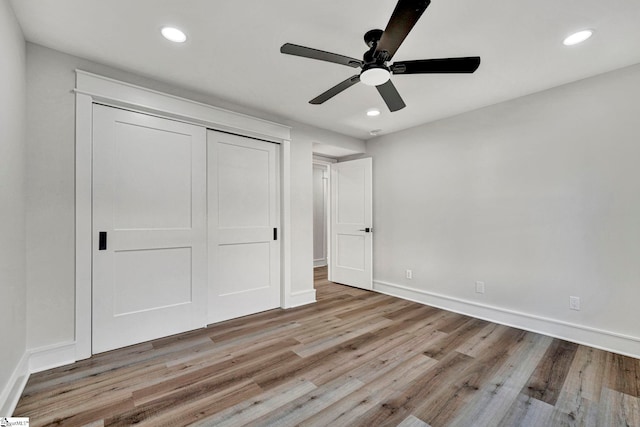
(92,88)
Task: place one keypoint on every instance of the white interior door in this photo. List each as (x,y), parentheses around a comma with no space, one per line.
(244,226)
(149,228)
(351,222)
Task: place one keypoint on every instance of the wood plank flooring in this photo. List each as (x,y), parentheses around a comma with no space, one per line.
(354,358)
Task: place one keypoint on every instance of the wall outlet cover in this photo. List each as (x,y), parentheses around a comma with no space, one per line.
(574,303)
(480,287)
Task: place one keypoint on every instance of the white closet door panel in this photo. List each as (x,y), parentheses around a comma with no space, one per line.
(151,191)
(244,185)
(244,268)
(149,197)
(150,279)
(243,211)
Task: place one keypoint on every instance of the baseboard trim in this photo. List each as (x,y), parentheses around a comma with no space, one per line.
(598,338)
(302,298)
(319,263)
(53,356)
(13,389)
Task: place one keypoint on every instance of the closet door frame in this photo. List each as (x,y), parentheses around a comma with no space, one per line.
(94,89)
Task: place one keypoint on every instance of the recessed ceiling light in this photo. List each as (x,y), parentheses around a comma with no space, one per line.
(578,37)
(174,35)
(373,112)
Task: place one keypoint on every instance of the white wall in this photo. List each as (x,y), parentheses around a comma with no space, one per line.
(538,197)
(50,240)
(12,202)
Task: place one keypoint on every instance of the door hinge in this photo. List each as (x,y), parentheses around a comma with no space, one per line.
(275,234)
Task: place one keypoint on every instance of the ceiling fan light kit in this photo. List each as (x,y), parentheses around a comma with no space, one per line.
(374,75)
(375,68)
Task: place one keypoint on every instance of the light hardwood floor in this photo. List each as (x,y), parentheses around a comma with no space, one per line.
(354,358)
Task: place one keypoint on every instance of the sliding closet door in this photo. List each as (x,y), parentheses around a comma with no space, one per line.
(149,228)
(244,229)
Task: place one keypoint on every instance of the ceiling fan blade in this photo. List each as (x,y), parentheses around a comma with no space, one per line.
(444,65)
(391,96)
(307,52)
(335,90)
(404,17)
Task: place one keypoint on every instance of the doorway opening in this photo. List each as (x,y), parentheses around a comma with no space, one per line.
(320,214)
(343,223)
(321,219)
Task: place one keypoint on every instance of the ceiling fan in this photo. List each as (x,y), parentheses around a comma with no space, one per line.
(382,46)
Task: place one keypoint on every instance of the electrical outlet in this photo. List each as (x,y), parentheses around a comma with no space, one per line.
(574,303)
(480,287)
(409,274)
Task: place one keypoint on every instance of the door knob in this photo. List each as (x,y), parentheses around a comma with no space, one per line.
(366,230)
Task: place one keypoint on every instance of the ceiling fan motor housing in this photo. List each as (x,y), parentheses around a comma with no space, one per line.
(371,38)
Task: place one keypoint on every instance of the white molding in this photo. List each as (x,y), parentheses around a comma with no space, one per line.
(317,160)
(33,361)
(83,218)
(53,356)
(285,212)
(130,96)
(322,160)
(326,174)
(13,388)
(92,88)
(302,298)
(580,334)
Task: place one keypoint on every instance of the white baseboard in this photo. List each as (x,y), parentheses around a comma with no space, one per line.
(319,263)
(53,356)
(593,337)
(302,298)
(12,391)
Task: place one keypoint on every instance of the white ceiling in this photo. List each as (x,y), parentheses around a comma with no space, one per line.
(233,50)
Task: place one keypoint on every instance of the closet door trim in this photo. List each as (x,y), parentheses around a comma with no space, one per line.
(92,88)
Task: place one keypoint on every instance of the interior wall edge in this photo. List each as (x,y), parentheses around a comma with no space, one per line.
(321,160)
(32,361)
(300,298)
(12,391)
(579,334)
(52,356)
(13,205)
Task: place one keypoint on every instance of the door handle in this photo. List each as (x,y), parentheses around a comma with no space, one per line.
(102,241)
(367,230)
